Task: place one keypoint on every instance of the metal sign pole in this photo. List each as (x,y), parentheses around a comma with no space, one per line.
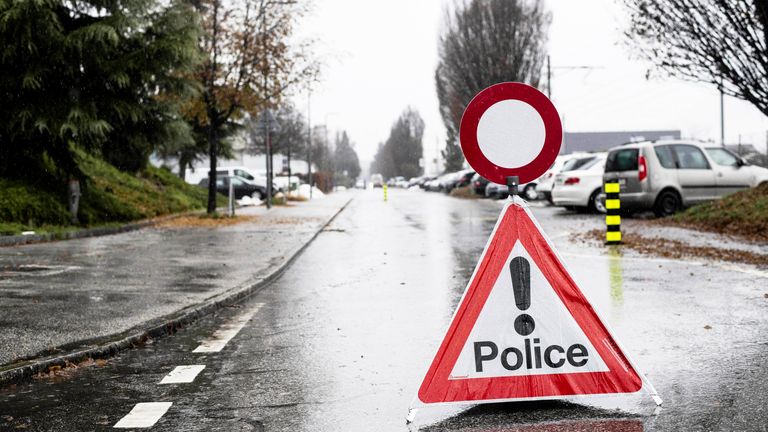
(512,183)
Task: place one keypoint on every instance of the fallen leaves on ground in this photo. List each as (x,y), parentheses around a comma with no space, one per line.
(68,369)
(204,221)
(676,249)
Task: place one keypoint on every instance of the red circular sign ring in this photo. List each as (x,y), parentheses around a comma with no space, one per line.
(505,91)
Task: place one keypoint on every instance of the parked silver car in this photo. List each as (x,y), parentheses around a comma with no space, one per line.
(666,176)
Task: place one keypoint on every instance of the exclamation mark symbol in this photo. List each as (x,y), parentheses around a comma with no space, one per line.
(520,269)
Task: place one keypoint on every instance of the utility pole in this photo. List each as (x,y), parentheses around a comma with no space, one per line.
(269,161)
(549,78)
(309,142)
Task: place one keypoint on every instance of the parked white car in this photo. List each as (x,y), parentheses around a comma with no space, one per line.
(547,180)
(580,189)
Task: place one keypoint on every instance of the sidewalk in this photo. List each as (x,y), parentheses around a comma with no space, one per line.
(78,295)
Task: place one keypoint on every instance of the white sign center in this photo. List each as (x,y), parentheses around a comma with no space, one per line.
(511,133)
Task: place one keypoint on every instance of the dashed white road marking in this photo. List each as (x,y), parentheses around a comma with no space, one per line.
(227,331)
(144,415)
(182,374)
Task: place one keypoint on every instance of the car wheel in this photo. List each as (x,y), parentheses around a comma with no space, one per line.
(597,202)
(667,204)
(258,195)
(530,192)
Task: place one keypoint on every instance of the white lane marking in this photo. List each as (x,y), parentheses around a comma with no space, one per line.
(182,374)
(144,415)
(227,331)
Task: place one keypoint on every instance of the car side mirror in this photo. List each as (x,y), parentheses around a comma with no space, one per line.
(741,162)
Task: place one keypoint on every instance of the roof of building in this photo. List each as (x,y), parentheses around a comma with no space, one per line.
(601,141)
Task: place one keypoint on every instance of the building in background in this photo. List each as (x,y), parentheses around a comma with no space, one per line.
(602,141)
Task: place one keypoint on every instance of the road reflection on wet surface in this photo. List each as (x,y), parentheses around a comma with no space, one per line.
(344,337)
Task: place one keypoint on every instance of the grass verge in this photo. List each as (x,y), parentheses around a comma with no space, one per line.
(109,197)
(743,214)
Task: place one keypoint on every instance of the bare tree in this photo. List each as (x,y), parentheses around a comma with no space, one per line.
(249,65)
(722,42)
(486,42)
(400,154)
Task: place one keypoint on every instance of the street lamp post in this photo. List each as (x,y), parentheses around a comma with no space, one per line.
(268,122)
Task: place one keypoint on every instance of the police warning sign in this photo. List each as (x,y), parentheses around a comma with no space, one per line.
(524,330)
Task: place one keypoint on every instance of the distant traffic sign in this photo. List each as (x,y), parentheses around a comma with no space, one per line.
(510,129)
(523,330)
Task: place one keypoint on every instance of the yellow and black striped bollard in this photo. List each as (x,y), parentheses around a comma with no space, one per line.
(384,186)
(612,217)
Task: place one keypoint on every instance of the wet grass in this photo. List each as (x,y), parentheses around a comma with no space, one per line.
(109,197)
(743,214)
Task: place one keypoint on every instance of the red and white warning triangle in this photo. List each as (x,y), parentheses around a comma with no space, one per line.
(523,330)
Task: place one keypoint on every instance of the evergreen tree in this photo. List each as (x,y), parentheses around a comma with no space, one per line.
(99,75)
(346,162)
(452,154)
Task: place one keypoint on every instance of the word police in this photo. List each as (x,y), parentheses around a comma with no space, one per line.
(512,358)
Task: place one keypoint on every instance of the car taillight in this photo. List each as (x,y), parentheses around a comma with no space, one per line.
(642,168)
(571,180)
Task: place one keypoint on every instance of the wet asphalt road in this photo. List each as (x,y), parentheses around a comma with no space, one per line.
(342,340)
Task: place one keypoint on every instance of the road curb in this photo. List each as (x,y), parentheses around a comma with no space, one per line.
(109,346)
(18,240)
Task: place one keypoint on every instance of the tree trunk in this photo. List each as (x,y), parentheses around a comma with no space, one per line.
(183,163)
(289,167)
(212,153)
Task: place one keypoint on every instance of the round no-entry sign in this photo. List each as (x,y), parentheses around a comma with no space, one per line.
(510,129)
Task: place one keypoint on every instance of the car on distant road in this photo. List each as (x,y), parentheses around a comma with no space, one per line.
(377,180)
(581,189)
(241,187)
(668,175)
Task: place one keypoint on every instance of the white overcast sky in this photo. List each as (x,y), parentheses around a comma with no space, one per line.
(380,57)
